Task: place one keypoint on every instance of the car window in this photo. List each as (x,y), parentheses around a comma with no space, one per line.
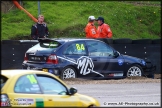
(75,49)
(50,85)
(97,48)
(27,84)
(3,80)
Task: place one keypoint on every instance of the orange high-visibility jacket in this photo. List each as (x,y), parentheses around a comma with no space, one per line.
(90,30)
(104,31)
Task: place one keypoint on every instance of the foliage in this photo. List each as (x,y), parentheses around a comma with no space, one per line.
(135,20)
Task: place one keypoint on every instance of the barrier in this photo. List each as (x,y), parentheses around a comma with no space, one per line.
(12,52)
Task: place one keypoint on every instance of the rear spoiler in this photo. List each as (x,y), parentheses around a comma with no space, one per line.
(44,40)
(48,40)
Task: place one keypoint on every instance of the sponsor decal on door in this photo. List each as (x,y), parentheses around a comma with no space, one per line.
(84,64)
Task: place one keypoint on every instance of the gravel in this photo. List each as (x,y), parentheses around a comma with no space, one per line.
(157,79)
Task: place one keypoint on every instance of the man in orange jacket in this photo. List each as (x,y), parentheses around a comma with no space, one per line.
(103,29)
(90,29)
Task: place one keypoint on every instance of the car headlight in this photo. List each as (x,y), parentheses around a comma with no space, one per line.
(143,62)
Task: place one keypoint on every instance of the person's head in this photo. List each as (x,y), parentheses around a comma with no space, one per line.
(91,19)
(40,18)
(100,20)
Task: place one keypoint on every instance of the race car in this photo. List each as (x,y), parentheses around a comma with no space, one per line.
(83,58)
(32,88)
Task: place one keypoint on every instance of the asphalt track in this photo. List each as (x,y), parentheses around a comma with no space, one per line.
(123,95)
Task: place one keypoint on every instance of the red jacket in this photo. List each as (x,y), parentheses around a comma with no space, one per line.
(90,30)
(104,31)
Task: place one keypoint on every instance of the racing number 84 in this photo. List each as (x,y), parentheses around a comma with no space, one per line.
(32,79)
(80,47)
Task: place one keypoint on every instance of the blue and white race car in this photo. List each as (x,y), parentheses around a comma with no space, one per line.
(83,58)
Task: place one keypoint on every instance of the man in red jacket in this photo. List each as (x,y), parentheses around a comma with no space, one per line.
(90,29)
(103,29)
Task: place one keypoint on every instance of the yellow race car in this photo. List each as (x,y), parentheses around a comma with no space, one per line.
(31,88)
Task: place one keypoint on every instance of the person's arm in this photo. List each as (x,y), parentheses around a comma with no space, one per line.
(96,35)
(47,31)
(86,30)
(109,32)
(33,32)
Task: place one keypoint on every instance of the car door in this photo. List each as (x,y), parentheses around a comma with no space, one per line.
(56,93)
(116,65)
(97,52)
(103,57)
(76,54)
(27,92)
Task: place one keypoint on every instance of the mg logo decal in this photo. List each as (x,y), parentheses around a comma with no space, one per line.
(85,65)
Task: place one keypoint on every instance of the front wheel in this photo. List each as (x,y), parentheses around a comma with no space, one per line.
(68,72)
(135,70)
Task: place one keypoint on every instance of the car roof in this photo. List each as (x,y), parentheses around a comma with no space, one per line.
(13,72)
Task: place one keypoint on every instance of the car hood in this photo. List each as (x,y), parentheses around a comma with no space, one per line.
(126,57)
(87,100)
(131,57)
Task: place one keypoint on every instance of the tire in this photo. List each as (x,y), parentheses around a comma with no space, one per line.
(138,70)
(123,41)
(64,73)
(142,41)
(156,41)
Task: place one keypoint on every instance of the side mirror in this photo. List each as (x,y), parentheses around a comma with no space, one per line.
(116,54)
(72,90)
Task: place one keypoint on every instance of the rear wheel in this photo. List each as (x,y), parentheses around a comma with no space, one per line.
(135,70)
(68,72)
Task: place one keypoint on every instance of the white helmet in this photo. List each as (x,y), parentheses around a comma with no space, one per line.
(91,18)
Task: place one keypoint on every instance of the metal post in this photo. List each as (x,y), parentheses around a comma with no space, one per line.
(39,8)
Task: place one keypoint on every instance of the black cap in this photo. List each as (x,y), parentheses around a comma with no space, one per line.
(100,18)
